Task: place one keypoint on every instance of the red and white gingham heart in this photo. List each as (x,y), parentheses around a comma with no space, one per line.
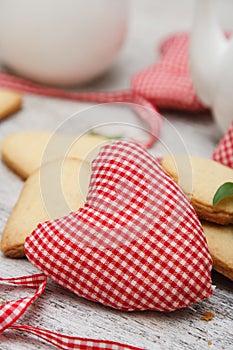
(167,83)
(224,151)
(136,244)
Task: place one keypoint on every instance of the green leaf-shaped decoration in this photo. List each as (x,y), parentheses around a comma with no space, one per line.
(222,192)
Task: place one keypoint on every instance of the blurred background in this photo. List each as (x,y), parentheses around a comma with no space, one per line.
(74,41)
(97,45)
(147,22)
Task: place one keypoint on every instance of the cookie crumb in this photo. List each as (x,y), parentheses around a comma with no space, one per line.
(207,316)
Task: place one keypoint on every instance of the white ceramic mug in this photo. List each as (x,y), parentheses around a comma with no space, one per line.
(62,42)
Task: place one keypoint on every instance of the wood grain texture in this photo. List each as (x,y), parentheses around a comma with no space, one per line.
(62,311)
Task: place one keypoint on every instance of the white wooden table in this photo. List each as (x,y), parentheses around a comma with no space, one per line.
(63,311)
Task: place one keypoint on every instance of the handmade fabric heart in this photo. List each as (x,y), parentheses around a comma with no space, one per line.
(167,83)
(136,244)
(224,151)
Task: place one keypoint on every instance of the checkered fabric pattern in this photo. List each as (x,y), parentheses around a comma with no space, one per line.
(137,243)
(11,311)
(141,106)
(224,151)
(167,83)
(66,342)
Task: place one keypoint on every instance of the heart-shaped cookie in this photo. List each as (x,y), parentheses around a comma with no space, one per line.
(136,244)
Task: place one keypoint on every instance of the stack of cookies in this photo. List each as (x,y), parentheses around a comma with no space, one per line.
(199,179)
(56,169)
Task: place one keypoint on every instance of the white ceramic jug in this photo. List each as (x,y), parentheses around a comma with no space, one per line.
(211,59)
(61,42)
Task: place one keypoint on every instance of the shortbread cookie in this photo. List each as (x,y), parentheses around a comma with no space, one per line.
(10,102)
(24,152)
(200,178)
(52,192)
(220,243)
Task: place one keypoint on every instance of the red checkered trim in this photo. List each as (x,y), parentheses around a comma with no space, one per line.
(167,83)
(147,112)
(11,311)
(136,244)
(224,151)
(68,342)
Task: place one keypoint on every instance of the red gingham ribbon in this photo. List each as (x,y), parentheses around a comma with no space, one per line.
(166,84)
(149,113)
(11,311)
